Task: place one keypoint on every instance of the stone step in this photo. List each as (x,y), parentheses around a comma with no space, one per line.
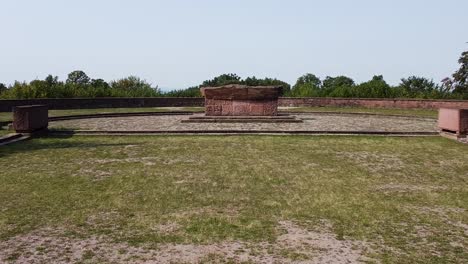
(243,117)
(242,120)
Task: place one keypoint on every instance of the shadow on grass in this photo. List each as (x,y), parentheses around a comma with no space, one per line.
(52,143)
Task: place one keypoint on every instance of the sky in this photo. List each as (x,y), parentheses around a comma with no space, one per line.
(180,43)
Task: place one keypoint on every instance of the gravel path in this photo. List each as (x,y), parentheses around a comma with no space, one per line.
(312,122)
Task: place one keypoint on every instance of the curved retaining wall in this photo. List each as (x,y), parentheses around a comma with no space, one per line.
(80,103)
(373,102)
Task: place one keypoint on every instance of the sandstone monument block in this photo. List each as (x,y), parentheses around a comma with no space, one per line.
(454,121)
(241,100)
(30,118)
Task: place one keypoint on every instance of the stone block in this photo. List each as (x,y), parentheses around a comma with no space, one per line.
(30,118)
(453,120)
(241,100)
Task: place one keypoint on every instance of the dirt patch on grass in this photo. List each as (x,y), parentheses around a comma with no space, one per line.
(167,228)
(374,162)
(94,174)
(229,212)
(444,213)
(407,188)
(296,245)
(147,161)
(457,231)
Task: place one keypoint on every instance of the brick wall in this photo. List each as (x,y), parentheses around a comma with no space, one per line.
(374,103)
(7,105)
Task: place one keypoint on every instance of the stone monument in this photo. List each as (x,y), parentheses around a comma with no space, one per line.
(242,104)
(30,118)
(241,100)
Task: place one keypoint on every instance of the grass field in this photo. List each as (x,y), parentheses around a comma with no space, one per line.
(231,199)
(3,131)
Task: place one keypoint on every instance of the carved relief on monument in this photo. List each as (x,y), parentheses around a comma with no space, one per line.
(241,100)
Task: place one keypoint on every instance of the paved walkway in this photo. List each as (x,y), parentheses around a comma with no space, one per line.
(312,122)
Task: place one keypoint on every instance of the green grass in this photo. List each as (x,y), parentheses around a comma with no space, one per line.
(4,131)
(383,111)
(377,189)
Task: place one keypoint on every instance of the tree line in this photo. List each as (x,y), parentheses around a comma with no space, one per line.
(80,85)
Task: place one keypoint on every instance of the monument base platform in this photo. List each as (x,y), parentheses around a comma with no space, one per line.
(243,119)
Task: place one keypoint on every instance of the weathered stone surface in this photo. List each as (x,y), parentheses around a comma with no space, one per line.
(311,122)
(241,92)
(31,118)
(241,100)
(454,120)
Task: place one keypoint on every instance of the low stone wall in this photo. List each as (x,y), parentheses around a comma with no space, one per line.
(7,105)
(89,103)
(373,103)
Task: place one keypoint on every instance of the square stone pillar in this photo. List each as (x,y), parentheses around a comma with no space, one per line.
(454,121)
(30,118)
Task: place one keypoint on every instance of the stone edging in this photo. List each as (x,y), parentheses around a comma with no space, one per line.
(360,113)
(237,132)
(12,138)
(107,115)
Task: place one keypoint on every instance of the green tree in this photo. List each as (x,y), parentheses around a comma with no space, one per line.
(417,87)
(375,88)
(133,86)
(307,85)
(78,77)
(3,88)
(340,86)
(254,81)
(309,78)
(99,84)
(51,80)
(223,79)
(331,83)
(460,77)
(189,92)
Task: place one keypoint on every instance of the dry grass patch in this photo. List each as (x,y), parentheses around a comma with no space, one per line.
(295,245)
(236,198)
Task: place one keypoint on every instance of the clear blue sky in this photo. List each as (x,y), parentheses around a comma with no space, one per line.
(179,43)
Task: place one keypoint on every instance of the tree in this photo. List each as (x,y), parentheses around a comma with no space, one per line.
(339,86)
(307,85)
(3,88)
(51,80)
(253,81)
(223,79)
(99,83)
(414,84)
(226,79)
(189,92)
(419,87)
(78,77)
(460,77)
(308,78)
(375,88)
(133,86)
